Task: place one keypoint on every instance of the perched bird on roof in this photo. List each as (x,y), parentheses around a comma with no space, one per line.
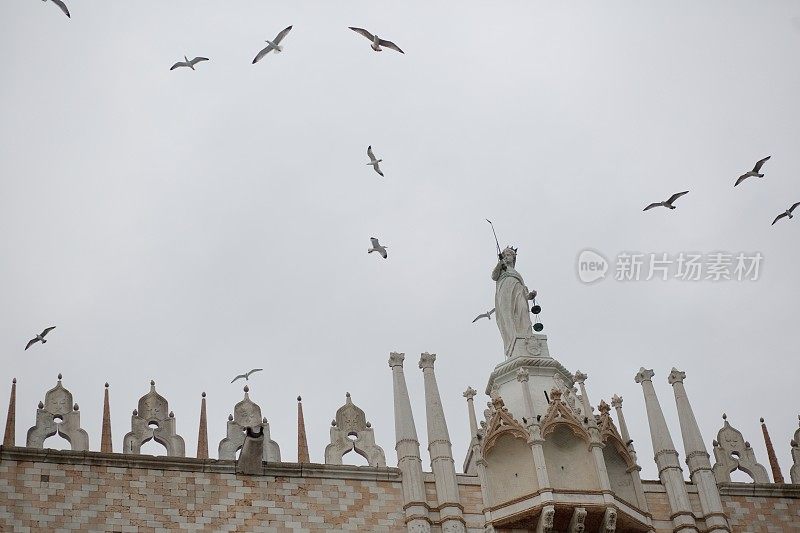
(787,213)
(755,172)
(188,63)
(61,5)
(274,44)
(374,161)
(40,337)
(376,247)
(487,314)
(247,375)
(667,203)
(377,42)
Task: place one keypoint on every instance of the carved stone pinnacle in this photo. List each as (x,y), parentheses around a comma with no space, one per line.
(396,359)
(676,376)
(644,375)
(426,360)
(616,401)
(470,393)
(580,377)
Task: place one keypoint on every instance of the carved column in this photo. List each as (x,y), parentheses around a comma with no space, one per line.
(469,394)
(536,441)
(407,447)
(616,402)
(595,442)
(697,458)
(666,457)
(441,452)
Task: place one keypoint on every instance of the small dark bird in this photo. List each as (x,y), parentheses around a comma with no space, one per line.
(247,375)
(487,314)
(272,45)
(668,203)
(40,337)
(754,172)
(188,63)
(787,213)
(61,5)
(376,247)
(377,42)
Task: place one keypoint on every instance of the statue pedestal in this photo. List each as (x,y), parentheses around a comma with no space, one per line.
(545,373)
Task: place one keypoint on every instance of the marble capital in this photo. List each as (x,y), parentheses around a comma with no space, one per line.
(523,375)
(580,377)
(426,360)
(470,393)
(616,402)
(676,376)
(644,375)
(396,359)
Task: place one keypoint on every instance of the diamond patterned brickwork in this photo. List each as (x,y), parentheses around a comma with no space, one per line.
(756,514)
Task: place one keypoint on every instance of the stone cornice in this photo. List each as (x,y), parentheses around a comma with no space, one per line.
(514,363)
(188,464)
(764,490)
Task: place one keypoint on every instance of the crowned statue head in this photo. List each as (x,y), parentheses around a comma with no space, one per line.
(509,256)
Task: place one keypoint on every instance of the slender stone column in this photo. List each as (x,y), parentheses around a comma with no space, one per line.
(469,394)
(302,442)
(441,451)
(11,419)
(595,442)
(777,475)
(697,458)
(407,447)
(666,457)
(202,433)
(105,434)
(635,470)
(536,441)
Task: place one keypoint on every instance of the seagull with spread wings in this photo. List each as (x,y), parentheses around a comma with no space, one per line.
(377,42)
(787,213)
(247,375)
(668,203)
(188,63)
(753,173)
(487,314)
(40,337)
(61,5)
(376,247)
(375,162)
(273,45)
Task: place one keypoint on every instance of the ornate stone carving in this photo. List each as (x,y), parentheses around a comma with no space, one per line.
(616,401)
(576,524)
(453,526)
(732,452)
(58,414)
(396,359)
(351,421)
(580,377)
(500,422)
(546,520)
(153,409)
(470,393)
(560,413)
(676,376)
(427,360)
(609,520)
(523,375)
(247,414)
(644,374)
(794,472)
(610,435)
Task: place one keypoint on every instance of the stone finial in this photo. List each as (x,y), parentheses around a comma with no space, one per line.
(58,414)
(644,375)
(732,452)
(153,409)
(580,377)
(396,359)
(105,434)
(777,475)
(202,433)
(676,376)
(555,395)
(523,375)
(11,418)
(247,414)
(604,408)
(426,360)
(302,442)
(616,402)
(469,393)
(351,421)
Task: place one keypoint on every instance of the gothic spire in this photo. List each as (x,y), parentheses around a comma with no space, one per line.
(777,475)
(302,443)
(202,436)
(105,435)
(8,438)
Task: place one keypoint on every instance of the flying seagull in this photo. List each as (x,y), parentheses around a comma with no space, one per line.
(668,203)
(188,63)
(247,375)
(377,42)
(61,5)
(787,213)
(754,172)
(488,315)
(39,337)
(373,161)
(376,247)
(272,45)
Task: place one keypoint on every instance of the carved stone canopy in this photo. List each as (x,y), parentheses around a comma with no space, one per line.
(560,412)
(153,410)
(500,422)
(247,414)
(351,421)
(58,414)
(732,452)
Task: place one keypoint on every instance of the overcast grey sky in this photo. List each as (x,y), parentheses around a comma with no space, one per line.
(188,226)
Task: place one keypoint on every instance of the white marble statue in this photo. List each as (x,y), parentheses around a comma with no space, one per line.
(511,300)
